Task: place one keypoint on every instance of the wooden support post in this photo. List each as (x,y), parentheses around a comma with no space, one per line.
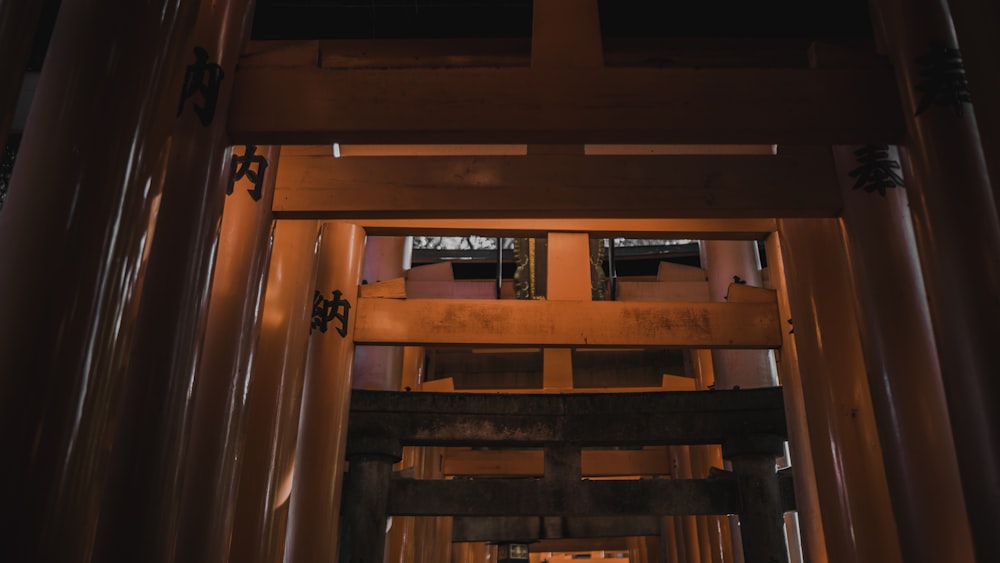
(74,236)
(761,512)
(687,524)
(221,403)
(728,263)
(568,279)
(957,231)
(566,34)
(403,538)
(273,409)
(808,511)
(857,516)
(185,434)
(720,535)
(904,373)
(319,460)
(381,367)
(669,542)
(370,453)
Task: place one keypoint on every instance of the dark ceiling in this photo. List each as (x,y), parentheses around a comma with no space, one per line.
(365,19)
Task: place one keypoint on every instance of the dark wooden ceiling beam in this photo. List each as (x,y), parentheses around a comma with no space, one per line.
(607,419)
(282,104)
(531,497)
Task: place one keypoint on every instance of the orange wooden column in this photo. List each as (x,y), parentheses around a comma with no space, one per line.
(568,278)
(807,505)
(719,536)
(958,240)
(18,24)
(74,234)
(163,385)
(380,367)
(314,512)
(857,515)
(687,526)
(728,262)
(903,370)
(275,395)
(215,454)
(402,542)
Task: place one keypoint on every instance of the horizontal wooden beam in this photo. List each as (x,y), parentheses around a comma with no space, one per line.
(567,186)
(698,229)
(475,322)
(304,104)
(581,419)
(524,463)
(533,497)
(578,544)
(531,528)
(501,52)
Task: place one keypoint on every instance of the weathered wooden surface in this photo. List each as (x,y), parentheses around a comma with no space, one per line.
(525,463)
(531,497)
(606,419)
(473,322)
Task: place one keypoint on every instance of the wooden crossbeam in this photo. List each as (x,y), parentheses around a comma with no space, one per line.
(699,229)
(472,322)
(523,463)
(530,497)
(557,186)
(530,528)
(599,420)
(305,104)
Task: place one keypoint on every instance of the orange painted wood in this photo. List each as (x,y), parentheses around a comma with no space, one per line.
(705,229)
(472,322)
(550,185)
(595,463)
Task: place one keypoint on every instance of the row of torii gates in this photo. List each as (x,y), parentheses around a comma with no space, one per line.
(154,332)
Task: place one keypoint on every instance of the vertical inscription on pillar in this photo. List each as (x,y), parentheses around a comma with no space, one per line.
(326,311)
(248,165)
(201,78)
(943,83)
(876,171)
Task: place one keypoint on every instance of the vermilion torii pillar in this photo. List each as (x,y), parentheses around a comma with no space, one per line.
(958,239)
(215,457)
(163,380)
(74,235)
(858,522)
(381,367)
(275,395)
(904,375)
(313,520)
